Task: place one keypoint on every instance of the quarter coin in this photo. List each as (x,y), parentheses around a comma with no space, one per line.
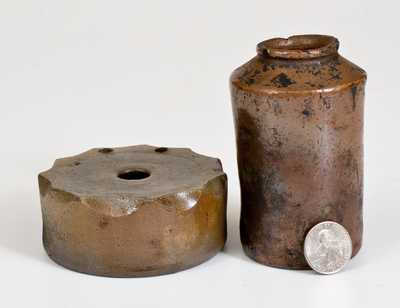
(327,247)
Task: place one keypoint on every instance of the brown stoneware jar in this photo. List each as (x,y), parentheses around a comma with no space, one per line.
(133,211)
(298,109)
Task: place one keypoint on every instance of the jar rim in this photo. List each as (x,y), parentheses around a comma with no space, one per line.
(306,46)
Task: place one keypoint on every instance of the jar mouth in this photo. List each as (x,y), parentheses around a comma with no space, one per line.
(299,47)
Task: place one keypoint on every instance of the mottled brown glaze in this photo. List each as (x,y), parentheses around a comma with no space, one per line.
(298,109)
(133,211)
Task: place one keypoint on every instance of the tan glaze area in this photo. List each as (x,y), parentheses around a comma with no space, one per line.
(98,223)
(299,129)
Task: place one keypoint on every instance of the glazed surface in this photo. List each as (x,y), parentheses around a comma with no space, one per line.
(133,211)
(299,129)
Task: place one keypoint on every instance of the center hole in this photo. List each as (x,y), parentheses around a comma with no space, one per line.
(134,175)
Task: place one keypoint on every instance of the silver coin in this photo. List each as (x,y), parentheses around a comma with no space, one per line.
(327,247)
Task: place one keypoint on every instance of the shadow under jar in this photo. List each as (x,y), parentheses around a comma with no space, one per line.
(298,110)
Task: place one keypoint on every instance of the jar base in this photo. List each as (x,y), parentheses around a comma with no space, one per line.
(282,263)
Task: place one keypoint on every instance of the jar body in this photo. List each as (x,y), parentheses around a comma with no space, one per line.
(299,132)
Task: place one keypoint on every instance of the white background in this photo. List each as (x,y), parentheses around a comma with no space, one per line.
(77,74)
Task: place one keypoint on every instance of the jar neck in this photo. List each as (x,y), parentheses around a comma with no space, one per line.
(299,47)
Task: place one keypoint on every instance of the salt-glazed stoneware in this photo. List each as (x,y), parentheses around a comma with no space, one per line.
(133,211)
(298,109)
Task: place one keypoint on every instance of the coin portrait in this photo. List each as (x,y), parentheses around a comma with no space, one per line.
(327,247)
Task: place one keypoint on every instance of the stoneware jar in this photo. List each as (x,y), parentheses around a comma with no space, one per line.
(298,109)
